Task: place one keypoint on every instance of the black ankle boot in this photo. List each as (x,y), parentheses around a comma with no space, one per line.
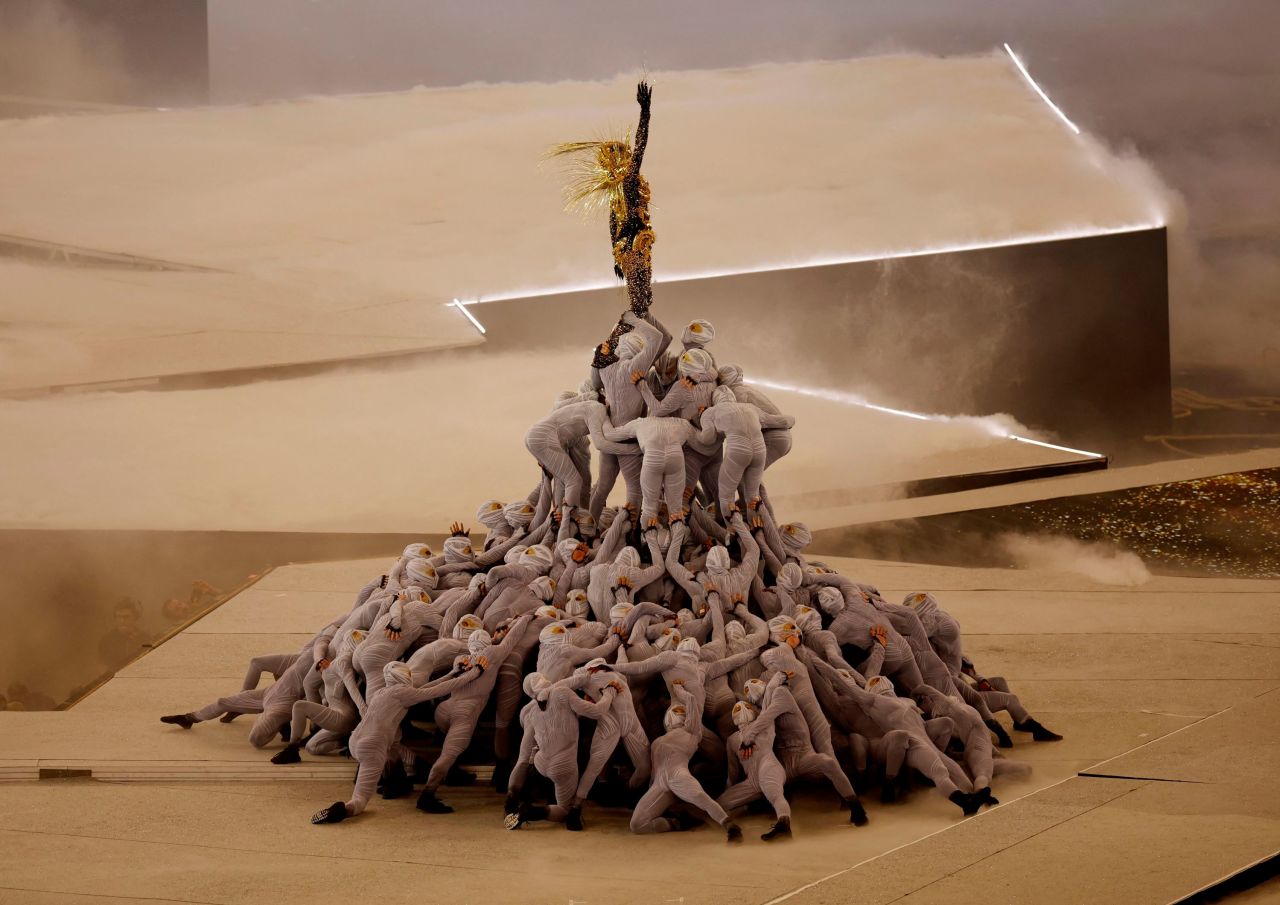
(780,830)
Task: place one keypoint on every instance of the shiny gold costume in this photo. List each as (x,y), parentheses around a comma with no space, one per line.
(607,174)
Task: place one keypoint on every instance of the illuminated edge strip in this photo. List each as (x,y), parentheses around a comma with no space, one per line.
(468,315)
(824,262)
(851,399)
(1040,91)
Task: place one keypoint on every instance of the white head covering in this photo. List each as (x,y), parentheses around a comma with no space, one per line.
(518,514)
(722,394)
(475,582)
(697,334)
(729,375)
(490,514)
(543,587)
(796,536)
(667,367)
(735,632)
(718,561)
(466,626)
(628,558)
(668,639)
(674,717)
(697,364)
(808,619)
(416,550)
(620,611)
(781,628)
(547,612)
(597,663)
(630,345)
(422,573)
(790,576)
(753,691)
(925,605)
(576,605)
(539,557)
(689,646)
(880,685)
(831,601)
(586,524)
(552,634)
(743,713)
(397,673)
(683,615)
(457,549)
(350,641)
(565,548)
(536,686)
(477,641)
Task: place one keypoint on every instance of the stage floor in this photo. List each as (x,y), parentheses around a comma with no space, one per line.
(1165,782)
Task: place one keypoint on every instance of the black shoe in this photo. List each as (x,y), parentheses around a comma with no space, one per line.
(1038,732)
(573,820)
(289,755)
(395,781)
(780,830)
(1002,737)
(984,796)
(334,813)
(732,832)
(227,717)
(428,802)
(285,731)
(857,816)
(964,802)
(185,720)
(459,777)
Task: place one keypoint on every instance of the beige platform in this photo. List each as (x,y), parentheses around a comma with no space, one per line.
(1176,679)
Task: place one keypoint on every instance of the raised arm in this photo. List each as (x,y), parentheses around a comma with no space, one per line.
(750,549)
(446,685)
(644,97)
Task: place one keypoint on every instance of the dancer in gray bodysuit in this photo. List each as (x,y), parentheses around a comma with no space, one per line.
(662,476)
(636,351)
(996,693)
(743,460)
(336,717)
(777,441)
(670,755)
(697,335)
(943,633)
(551,438)
(979,756)
(891,714)
(794,749)
(620,723)
(782,658)
(765,776)
(457,717)
(391,635)
(550,744)
(861,626)
(372,742)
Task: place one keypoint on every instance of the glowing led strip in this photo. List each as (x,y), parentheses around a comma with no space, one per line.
(852,399)
(468,315)
(1040,91)
(979,245)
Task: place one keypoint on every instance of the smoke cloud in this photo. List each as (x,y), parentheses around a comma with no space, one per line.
(1100,562)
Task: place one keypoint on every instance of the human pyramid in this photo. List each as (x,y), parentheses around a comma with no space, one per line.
(677,654)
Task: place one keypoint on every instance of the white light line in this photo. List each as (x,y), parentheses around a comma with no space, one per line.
(1081,452)
(469,316)
(1040,91)
(978,245)
(852,399)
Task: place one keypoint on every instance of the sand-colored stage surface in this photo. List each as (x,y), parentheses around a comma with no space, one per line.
(337,227)
(1165,782)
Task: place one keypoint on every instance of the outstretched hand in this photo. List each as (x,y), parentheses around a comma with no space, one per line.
(644,95)
(457,529)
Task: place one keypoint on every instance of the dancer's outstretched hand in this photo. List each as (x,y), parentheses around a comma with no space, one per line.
(644,94)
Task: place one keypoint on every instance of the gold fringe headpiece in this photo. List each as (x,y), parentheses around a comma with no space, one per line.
(595,173)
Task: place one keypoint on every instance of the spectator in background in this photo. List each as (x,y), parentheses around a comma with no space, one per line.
(126,638)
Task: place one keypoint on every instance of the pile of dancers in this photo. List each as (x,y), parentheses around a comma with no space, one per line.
(677,655)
